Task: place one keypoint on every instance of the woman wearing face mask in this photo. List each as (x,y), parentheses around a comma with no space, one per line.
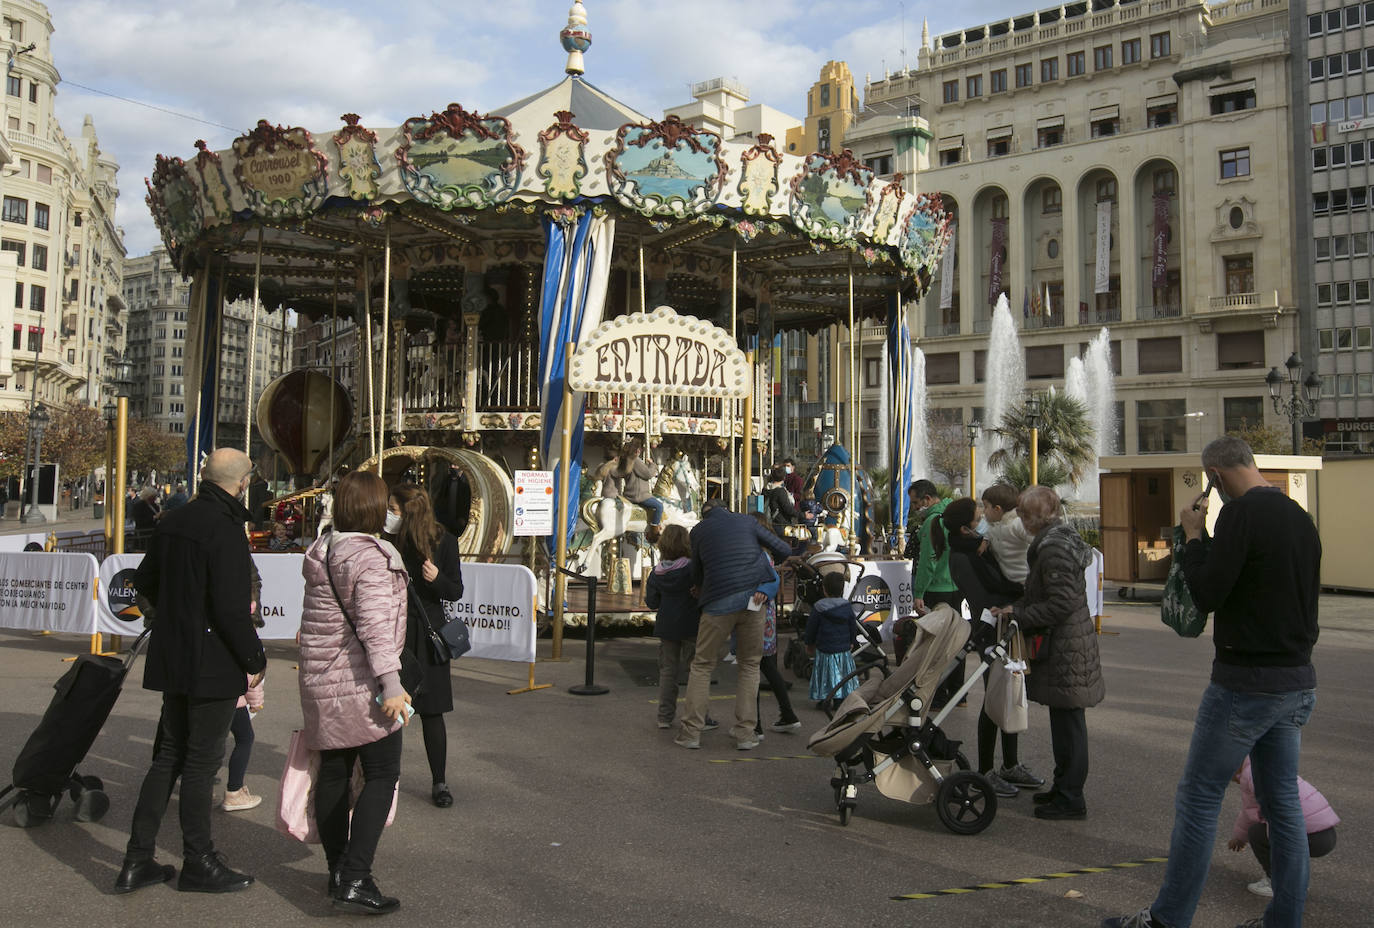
(430,553)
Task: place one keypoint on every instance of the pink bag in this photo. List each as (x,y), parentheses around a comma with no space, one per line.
(296,797)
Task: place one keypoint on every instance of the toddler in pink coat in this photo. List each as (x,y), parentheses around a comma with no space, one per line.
(1250,826)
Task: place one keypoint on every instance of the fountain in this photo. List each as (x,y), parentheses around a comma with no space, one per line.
(1005,378)
(1089,380)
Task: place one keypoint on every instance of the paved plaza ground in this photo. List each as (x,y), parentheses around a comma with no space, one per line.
(578,811)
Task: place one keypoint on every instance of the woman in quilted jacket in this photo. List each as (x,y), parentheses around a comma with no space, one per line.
(353,627)
(1067,674)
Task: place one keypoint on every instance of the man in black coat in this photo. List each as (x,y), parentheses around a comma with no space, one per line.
(198,574)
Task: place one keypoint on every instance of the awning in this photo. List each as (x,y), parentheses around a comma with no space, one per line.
(950,141)
(1000,132)
(1104,112)
(1050,122)
(1218,90)
(1168,99)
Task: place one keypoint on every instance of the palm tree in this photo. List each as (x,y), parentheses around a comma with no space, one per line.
(1065,441)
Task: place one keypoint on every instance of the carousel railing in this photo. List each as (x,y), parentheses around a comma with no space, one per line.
(435,378)
(508,376)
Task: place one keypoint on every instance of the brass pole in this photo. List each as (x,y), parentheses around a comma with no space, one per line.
(1034,455)
(853,418)
(109,486)
(748,454)
(333,369)
(252,353)
(972,469)
(386,328)
(121,451)
(738,492)
(643,297)
(560,527)
(371,354)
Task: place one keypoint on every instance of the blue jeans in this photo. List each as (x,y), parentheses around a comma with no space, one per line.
(653,508)
(1230,725)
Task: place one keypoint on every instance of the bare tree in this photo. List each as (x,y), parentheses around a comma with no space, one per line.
(948,450)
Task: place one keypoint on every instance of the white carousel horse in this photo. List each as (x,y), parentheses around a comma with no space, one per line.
(677,488)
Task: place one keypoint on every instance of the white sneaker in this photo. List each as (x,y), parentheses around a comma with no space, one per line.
(1261,887)
(729,658)
(240,800)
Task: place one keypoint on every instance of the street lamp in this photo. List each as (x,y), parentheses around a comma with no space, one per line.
(1296,406)
(973,429)
(1033,420)
(110,411)
(38,421)
(114,488)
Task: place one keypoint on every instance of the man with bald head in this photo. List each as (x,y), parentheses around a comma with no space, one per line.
(203,646)
(1066,675)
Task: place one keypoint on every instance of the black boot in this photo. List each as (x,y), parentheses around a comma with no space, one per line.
(363,897)
(136,874)
(209,873)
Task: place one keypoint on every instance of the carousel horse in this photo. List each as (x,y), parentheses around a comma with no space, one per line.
(677,487)
(845,513)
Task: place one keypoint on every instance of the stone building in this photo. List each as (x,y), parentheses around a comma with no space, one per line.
(61,254)
(1122,163)
(722,106)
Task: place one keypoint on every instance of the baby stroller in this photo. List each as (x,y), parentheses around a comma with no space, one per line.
(867,651)
(882,732)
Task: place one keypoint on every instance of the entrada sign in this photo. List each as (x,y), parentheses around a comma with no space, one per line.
(662,353)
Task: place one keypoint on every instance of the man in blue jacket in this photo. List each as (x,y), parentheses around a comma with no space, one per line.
(728,567)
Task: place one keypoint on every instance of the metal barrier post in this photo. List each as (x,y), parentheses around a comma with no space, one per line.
(590,687)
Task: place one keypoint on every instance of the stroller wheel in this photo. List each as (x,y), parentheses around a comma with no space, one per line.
(92,805)
(966,803)
(845,811)
(845,794)
(32,809)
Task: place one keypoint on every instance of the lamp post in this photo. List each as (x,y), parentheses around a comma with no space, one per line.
(114,488)
(38,421)
(111,412)
(1033,420)
(1296,406)
(973,429)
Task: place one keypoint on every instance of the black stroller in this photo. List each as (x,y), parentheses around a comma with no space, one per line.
(883,732)
(46,767)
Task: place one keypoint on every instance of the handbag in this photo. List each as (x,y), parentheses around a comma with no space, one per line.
(296,794)
(1178,610)
(439,645)
(412,673)
(1005,700)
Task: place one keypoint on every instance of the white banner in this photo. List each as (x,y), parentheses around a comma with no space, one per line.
(283,592)
(947,269)
(1092,577)
(18,540)
(1102,280)
(48,592)
(498,606)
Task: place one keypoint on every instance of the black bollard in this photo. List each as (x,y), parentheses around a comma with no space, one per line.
(590,687)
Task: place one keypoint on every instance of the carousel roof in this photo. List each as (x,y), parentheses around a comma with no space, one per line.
(455,190)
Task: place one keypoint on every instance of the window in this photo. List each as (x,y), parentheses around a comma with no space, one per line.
(1340,200)
(1105,127)
(1336,156)
(1325,339)
(880,165)
(823,134)
(1241,411)
(951,91)
(1354,107)
(1130,51)
(825,94)
(1106,190)
(1161,426)
(1044,138)
(1343,292)
(1314,25)
(1321,203)
(1323,294)
(40,215)
(1045,362)
(1236,350)
(1160,355)
(1235,163)
(33,92)
(1322,249)
(1364,384)
(1240,274)
(1363,335)
(15,210)
(1159,45)
(999,81)
(975,86)
(1352,17)
(14,86)
(1102,57)
(1354,61)
(1161,114)
(38,297)
(949,156)
(1335,65)
(942,368)
(873,372)
(1335,110)
(999,147)
(1051,200)
(1319,159)
(1345,339)
(1049,70)
(1233,102)
(1340,246)
(1318,113)
(1345,384)
(1023,75)
(1316,69)
(1359,246)
(17,248)
(40,257)
(1164,181)
(1074,64)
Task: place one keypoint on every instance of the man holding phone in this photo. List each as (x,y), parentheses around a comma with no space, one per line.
(1260,576)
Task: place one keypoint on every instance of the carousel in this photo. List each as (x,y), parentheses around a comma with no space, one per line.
(530,288)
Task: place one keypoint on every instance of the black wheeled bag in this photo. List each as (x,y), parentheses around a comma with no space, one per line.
(46,767)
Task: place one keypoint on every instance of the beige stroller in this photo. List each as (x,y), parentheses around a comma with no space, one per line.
(882,732)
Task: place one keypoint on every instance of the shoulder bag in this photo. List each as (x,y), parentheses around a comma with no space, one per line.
(1005,700)
(1177,610)
(412,673)
(451,641)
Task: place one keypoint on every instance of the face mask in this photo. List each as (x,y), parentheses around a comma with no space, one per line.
(1221,491)
(982,526)
(393,524)
(788,469)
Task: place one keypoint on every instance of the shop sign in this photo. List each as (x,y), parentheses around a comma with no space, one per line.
(660,353)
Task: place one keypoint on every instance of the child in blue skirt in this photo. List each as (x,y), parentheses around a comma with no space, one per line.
(829,636)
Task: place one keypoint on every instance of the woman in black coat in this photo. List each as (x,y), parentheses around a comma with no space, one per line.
(980,580)
(431,557)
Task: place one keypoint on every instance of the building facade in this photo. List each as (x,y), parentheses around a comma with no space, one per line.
(1333,84)
(1121,163)
(832,104)
(159,303)
(61,310)
(722,106)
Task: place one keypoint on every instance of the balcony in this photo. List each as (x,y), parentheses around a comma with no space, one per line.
(1160,311)
(1051,321)
(34,141)
(1233,302)
(1099,316)
(941,329)
(982,326)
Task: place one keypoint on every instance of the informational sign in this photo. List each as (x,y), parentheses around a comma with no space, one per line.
(534,502)
(283,593)
(661,353)
(498,607)
(48,592)
(884,587)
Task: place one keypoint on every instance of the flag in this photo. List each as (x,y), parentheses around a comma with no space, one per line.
(577,263)
(906,382)
(202,366)
(1045,307)
(996,259)
(1026,305)
(1319,133)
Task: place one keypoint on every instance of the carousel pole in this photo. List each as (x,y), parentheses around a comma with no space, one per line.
(643,297)
(386,327)
(371,394)
(219,374)
(738,492)
(252,351)
(748,462)
(898,433)
(560,582)
(853,416)
(333,368)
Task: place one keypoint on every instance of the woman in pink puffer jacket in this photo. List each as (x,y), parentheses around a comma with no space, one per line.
(351,695)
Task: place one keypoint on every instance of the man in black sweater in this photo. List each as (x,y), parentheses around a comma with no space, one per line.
(1260,574)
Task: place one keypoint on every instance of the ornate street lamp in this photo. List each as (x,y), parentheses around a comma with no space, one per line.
(1297,405)
(110,411)
(39,418)
(1033,420)
(973,428)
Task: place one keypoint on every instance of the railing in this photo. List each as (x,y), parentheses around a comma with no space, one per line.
(33,141)
(1098,316)
(434,378)
(1232,301)
(507,376)
(941,329)
(982,326)
(1161,311)
(1052,321)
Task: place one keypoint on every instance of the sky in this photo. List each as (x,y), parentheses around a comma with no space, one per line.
(229,63)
